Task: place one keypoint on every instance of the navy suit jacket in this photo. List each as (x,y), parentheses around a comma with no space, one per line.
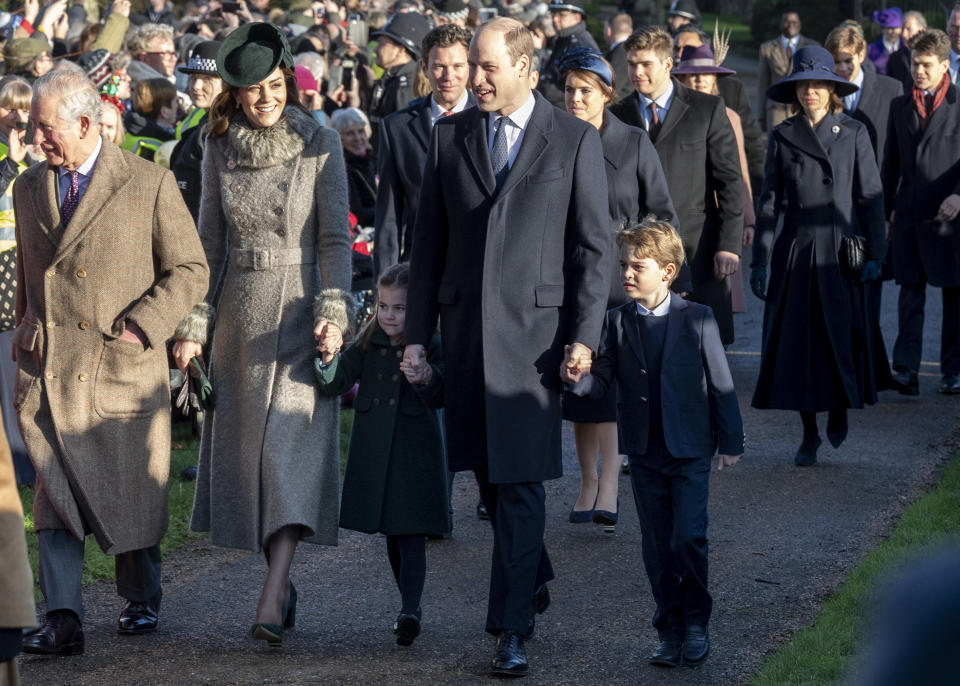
(698,400)
(404,139)
(515,273)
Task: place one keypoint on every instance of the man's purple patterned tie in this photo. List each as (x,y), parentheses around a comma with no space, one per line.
(72,200)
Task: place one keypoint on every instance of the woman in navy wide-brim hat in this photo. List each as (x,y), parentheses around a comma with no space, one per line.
(822,350)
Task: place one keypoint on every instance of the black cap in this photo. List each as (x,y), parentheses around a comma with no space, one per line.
(407,29)
(685,8)
(251,53)
(203,60)
(569,5)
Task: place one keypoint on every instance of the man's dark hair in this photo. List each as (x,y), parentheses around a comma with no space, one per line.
(931,42)
(444,36)
(693,28)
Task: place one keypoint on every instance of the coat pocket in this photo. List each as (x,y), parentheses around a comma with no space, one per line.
(550,175)
(25,335)
(131,381)
(549,296)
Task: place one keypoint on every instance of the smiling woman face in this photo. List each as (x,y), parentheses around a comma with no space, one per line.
(263,103)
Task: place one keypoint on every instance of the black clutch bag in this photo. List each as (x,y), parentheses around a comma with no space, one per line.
(853,253)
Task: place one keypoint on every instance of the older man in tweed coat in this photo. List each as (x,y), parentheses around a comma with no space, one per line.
(108,263)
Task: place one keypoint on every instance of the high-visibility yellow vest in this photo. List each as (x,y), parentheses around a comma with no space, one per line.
(8,237)
(192,119)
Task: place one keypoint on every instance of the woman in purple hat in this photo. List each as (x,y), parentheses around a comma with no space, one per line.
(699,69)
(822,350)
(891,21)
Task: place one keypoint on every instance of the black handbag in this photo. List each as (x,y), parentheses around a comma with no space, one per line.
(8,289)
(853,253)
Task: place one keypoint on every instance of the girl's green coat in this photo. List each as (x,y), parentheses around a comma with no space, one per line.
(396,478)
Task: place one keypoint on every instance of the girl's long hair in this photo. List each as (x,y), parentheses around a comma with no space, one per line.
(397,276)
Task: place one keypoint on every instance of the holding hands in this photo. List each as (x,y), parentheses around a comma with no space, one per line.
(577,360)
(414,365)
(329,339)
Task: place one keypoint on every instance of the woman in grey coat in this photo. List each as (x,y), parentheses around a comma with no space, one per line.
(273,222)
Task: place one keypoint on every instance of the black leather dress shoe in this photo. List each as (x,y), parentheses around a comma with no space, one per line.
(139,618)
(482,512)
(696,645)
(61,634)
(510,658)
(905,382)
(950,384)
(667,653)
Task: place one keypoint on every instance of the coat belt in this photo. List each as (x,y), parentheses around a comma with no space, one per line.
(260,259)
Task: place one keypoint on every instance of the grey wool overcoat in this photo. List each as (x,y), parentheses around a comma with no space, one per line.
(94,410)
(273,222)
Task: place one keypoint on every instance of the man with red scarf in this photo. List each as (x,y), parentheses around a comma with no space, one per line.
(921,183)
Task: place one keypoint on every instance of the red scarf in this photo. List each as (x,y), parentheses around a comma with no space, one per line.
(927,105)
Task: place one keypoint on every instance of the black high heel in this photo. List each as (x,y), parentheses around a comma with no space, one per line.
(837,427)
(273,633)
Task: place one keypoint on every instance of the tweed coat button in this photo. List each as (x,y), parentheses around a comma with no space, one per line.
(283,185)
(51,324)
(49,376)
(84,325)
(51,273)
(82,377)
(392,401)
(235,186)
(231,164)
(81,273)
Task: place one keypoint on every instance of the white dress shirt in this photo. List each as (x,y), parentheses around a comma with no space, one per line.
(852,101)
(85,170)
(436,111)
(954,66)
(516,124)
(660,310)
(663,104)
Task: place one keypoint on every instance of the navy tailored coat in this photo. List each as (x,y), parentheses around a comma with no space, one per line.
(898,67)
(873,110)
(698,400)
(920,169)
(404,140)
(821,347)
(698,151)
(396,477)
(515,273)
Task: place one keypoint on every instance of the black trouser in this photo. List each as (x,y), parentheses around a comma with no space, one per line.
(671,497)
(909,345)
(520,561)
(408,560)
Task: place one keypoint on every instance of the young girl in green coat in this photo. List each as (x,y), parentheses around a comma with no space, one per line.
(395,483)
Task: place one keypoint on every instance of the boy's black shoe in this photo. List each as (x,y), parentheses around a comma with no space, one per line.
(905,382)
(667,653)
(696,645)
(510,658)
(950,384)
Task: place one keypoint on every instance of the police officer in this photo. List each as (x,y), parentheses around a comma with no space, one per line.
(681,13)
(398,49)
(568,18)
(205,85)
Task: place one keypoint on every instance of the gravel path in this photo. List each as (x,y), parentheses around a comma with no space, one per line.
(781,539)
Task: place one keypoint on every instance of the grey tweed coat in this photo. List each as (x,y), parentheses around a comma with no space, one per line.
(273,223)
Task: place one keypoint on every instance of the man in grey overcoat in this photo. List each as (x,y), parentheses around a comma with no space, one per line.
(511,251)
(108,263)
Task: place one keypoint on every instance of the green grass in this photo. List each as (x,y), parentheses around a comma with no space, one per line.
(822,653)
(99,566)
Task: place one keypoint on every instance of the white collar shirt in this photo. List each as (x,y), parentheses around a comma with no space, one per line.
(516,124)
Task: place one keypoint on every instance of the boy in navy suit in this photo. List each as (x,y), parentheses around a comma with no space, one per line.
(676,406)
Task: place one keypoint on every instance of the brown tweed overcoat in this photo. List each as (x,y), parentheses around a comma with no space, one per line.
(16,580)
(94,410)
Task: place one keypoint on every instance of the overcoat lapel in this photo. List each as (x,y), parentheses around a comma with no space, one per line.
(678,108)
(610,136)
(477,151)
(47,206)
(630,322)
(678,307)
(109,175)
(801,134)
(938,119)
(535,142)
(421,124)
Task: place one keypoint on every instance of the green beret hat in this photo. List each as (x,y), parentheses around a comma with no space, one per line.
(251,53)
(19,52)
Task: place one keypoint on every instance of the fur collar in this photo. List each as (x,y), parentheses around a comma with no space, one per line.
(259,148)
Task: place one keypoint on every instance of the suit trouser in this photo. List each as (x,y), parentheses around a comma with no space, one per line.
(909,344)
(520,561)
(671,496)
(61,569)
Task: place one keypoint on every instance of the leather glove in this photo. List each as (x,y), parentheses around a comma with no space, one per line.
(758,281)
(871,271)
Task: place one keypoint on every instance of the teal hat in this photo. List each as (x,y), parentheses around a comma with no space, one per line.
(251,53)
